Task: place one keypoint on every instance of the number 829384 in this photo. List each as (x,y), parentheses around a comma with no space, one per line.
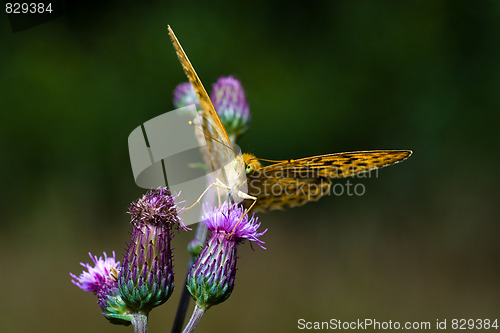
(28,7)
(478,324)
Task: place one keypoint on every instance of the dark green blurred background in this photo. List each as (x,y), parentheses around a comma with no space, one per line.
(331,76)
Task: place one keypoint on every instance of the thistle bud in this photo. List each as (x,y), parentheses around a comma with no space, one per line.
(194,248)
(211,279)
(185,95)
(146,277)
(230,102)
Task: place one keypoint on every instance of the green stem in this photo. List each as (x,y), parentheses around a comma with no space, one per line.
(195,318)
(201,237)
(140,322)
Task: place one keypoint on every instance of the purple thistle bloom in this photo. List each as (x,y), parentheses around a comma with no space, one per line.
(211,279)
(226,221)
(184,95)
(230,102)
(95,278)
(101,279)
(146,277)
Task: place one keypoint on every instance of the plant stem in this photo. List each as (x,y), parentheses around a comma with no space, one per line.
(195,318)
(201,236)
(183,304)
(140,322)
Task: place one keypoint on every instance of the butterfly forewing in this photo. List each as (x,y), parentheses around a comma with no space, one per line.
(217,150)
(339,165)
(208,108)
(295,182)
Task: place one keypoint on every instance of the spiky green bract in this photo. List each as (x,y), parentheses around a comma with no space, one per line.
(146,276)
(211,278)
(114,308)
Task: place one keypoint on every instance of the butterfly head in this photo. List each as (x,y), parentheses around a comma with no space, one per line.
(251,163)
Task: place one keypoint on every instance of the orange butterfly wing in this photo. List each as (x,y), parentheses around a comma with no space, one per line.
(216,147)
(295,182)
(205,101)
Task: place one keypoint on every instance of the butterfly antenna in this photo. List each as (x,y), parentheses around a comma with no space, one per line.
(273,161)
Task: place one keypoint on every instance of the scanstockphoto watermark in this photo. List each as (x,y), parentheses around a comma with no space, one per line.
(439,324)
(362,324)
(309,185)
(312,170)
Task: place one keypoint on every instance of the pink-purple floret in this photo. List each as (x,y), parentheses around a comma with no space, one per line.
(97,277)
(224,220)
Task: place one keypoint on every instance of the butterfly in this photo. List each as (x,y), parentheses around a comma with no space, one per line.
(283,184)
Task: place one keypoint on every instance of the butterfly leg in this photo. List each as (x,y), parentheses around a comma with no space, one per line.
(217,183)
(243,195)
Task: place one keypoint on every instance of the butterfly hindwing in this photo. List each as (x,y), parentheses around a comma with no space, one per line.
(280,193)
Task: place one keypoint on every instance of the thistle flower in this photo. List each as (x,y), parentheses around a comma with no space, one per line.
(185,95)
(101,279)
(211,278)
(146,277)
(230,102)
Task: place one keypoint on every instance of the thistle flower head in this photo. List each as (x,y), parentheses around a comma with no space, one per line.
(211,278)
(101,279)
(156,207)
(184,95)
(100,275)
(146,277)
(230,102)
(231,220)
